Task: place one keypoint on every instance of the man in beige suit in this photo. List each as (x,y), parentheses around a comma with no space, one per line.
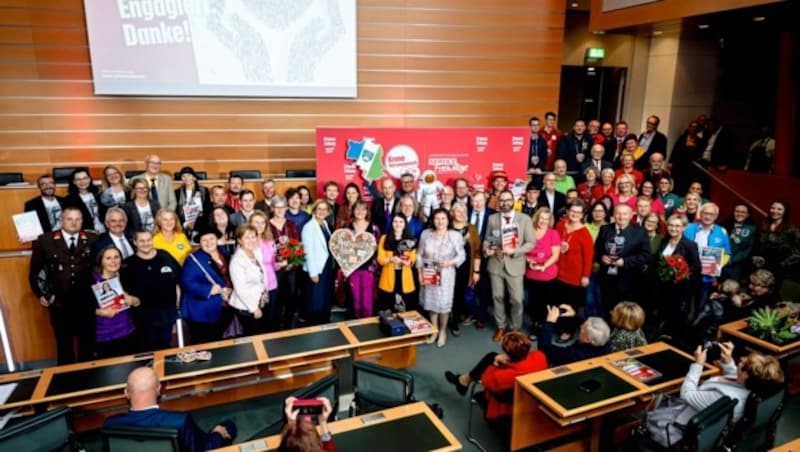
(160,183)
(509,237)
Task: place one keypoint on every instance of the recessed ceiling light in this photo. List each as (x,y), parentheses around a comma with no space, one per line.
(703,26)
(759,19)
(574,4)
(599,32)
(658,33)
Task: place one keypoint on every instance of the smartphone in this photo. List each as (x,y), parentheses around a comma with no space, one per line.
(713,350)
(589,385)
(308,407)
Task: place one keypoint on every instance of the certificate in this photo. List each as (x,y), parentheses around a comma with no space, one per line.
(28,226)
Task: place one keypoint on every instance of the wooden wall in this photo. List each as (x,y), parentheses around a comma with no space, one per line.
(420,63)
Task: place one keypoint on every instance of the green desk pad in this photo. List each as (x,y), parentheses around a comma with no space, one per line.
(220,357)
(92,378)
(24,389)
(670,363)
(407,434)
(564,389)
(367,332)
(302,343)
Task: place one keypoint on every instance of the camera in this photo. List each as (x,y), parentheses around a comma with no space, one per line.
(713,350)
(308,407)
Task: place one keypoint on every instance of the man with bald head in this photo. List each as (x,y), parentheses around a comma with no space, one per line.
(160,183)
(620,250)
(142,392)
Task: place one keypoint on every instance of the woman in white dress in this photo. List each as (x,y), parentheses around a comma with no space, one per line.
(440,252)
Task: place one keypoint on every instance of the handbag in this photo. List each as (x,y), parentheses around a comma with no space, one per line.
(660,420)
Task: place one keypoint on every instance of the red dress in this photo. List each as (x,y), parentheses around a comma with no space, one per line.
(576,262)
(498,379)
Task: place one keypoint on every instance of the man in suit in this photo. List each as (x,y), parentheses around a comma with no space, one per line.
(651,140)
(620,132)
(384,204)
(160,183)
(61,277)
(478,215)
(143,391)
(116,223)
(656,170)
(621,249)
(47,205)
(597,161)
(508,239)
(269,192)
(574,147)
(537,152)
(551,198)
(720,145)
(461,188)
(248,207)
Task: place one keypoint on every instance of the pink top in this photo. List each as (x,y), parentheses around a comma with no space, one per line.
(268,257)
(657,206)
(630,201)
(540,253)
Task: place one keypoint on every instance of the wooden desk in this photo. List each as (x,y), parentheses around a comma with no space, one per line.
(239,369)
(369,433)
(549,405)
(791,446)
(736,330)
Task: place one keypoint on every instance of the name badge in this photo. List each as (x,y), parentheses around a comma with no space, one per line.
(166,269)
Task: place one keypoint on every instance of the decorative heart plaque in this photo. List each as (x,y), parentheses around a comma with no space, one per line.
(352,250)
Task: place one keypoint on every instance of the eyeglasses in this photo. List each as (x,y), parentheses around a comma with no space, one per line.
(651,123)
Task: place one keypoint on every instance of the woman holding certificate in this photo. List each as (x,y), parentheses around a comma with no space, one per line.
(542,265)
(397,254)
(114,327)
(441,251)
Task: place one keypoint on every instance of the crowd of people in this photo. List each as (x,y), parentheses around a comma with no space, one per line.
(578,259)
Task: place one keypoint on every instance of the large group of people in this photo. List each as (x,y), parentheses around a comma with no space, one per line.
(578,259)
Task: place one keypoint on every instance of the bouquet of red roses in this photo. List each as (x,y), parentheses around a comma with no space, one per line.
(291,251)
(673,269)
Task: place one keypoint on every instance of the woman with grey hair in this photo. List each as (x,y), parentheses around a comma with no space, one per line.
(592,337)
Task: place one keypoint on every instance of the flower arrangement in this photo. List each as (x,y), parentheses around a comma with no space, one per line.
(291,251)
(673,269)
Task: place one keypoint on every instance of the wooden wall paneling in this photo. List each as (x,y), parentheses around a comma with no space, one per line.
(421,63)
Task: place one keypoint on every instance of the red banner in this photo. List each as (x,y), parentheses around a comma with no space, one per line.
(362,155)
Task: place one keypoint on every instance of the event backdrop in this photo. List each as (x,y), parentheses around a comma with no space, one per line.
(362,155)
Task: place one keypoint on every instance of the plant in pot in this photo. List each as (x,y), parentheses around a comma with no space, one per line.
(772,325)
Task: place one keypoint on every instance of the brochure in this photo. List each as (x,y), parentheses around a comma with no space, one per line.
(417,324)
(711,260)
(637,369)
(109,294)
(28,226)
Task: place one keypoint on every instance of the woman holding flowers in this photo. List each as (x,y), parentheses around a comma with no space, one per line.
(678,272)
(291,278)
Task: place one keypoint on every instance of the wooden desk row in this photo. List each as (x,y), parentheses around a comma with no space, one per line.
(407,428)
(239,368)
(738,330)
(553,403)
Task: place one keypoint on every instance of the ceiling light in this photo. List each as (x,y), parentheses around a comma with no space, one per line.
(658,33)
(599,32)
(574,4)
(703,26)
(759,19)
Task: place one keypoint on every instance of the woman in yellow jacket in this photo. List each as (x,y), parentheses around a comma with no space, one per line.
(397,255)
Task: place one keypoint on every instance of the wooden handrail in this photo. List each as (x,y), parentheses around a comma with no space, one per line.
(719,180)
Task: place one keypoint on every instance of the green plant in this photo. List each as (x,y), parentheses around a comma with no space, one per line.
(772,325)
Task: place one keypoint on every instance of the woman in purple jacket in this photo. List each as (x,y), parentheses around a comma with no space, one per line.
(114,327)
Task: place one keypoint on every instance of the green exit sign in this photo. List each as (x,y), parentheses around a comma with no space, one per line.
(597,53)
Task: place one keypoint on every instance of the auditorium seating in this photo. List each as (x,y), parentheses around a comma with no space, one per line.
(10,178)
(62,173)
(247,174)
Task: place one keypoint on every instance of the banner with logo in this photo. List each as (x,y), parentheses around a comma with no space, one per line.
(363,155)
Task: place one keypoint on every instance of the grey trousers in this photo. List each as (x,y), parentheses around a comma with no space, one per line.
(514,284)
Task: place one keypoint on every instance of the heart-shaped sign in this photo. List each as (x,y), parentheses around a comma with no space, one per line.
(352,250)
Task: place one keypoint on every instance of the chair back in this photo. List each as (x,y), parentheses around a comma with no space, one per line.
(11,178)
(298,173)
(130,173)
(378,387)
(138,439)
(247,174)
(705,431)
(201,175)
(756,430)
(49,431)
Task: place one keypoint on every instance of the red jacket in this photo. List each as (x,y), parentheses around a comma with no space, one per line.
(498,379)
(576,262)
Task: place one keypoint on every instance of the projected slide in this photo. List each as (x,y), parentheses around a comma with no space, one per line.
(277,48)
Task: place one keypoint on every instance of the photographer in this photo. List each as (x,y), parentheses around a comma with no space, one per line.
(300,435)
(755,372)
